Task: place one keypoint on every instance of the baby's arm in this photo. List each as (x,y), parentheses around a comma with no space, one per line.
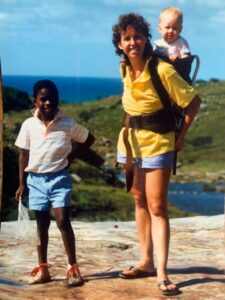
(23,162)
(179,50)
(80,148)
(173,57)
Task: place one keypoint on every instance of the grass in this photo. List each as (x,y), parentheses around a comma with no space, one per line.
(96,198)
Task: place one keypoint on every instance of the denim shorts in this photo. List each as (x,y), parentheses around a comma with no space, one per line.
(48,190)
(160,161)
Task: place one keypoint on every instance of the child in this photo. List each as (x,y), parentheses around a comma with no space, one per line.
(172,45)
(45,142)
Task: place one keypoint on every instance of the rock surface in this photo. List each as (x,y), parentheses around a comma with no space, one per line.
(196,262)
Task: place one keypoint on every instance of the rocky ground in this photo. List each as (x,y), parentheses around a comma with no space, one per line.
(196,262)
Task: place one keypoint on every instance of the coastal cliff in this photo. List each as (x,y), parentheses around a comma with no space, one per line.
(196,262)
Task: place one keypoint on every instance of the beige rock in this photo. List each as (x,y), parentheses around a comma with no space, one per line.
(196,262)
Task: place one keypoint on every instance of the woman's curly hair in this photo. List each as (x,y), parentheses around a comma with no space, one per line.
(137,22)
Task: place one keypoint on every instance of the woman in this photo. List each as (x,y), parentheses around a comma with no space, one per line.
(152,152)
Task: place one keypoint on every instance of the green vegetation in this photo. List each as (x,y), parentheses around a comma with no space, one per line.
(100,195)
(205,143)
(14,99)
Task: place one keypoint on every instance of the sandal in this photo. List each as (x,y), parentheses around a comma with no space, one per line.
(73,276)
(40,274)
(134,272)
(167,292)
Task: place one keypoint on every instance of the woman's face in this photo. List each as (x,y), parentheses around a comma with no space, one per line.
(132,43)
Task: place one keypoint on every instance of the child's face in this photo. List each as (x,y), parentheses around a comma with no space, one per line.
(170,27)
(46,103)
(132,43)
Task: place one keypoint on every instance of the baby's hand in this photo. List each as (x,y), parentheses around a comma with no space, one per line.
(173,57)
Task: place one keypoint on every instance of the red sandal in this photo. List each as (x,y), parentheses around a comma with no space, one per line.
(73,276)
(40,274)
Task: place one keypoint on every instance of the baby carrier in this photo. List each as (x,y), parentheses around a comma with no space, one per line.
(168,119)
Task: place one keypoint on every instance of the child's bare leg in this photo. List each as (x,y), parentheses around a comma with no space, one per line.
(62,216)
(73,275)
(43,223)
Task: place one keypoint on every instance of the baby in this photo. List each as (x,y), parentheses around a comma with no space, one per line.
(172,45)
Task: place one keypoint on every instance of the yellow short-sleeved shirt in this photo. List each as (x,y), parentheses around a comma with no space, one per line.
(140,97)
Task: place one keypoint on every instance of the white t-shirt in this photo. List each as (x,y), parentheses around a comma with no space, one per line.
(49,146)
(180,46)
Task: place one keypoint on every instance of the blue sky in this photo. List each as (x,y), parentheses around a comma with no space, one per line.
(73,37)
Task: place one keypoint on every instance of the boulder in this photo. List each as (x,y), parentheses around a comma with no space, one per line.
(196,262)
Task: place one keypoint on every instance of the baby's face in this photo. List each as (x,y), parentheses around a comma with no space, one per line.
(170,26)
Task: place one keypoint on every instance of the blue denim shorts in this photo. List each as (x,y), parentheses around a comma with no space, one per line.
(49,189)
(161,161)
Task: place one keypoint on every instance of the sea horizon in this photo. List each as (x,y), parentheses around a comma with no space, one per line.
(72,89)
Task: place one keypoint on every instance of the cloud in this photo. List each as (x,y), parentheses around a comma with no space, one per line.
(54,9)
(52,20)
(134,2)
(36,28)
(30,20)
(211,3)
(218,18)
(3,17)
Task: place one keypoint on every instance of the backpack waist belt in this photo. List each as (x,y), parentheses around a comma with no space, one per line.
(161,121)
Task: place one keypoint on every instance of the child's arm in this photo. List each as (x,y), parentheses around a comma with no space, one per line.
(23,162)
(80,148)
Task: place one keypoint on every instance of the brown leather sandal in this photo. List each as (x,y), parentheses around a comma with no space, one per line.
(134,272)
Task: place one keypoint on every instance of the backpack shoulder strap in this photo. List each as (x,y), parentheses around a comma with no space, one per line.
(123,68)
(156,80)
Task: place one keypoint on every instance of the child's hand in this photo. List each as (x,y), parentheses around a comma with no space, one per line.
(173,57)
(19,193)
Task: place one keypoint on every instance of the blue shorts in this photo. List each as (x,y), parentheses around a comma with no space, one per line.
(161,161)
(49,189)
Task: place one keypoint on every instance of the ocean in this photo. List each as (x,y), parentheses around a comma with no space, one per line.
(71,89)
(192,197)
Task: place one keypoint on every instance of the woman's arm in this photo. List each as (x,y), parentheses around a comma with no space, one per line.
(190,112)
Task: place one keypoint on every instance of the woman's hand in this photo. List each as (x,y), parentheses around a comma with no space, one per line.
(179,144)
(190,113)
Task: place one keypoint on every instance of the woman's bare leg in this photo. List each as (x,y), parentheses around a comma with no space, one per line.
(143,221)
(157,183)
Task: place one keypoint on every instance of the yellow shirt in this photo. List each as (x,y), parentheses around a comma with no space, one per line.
(140,98)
